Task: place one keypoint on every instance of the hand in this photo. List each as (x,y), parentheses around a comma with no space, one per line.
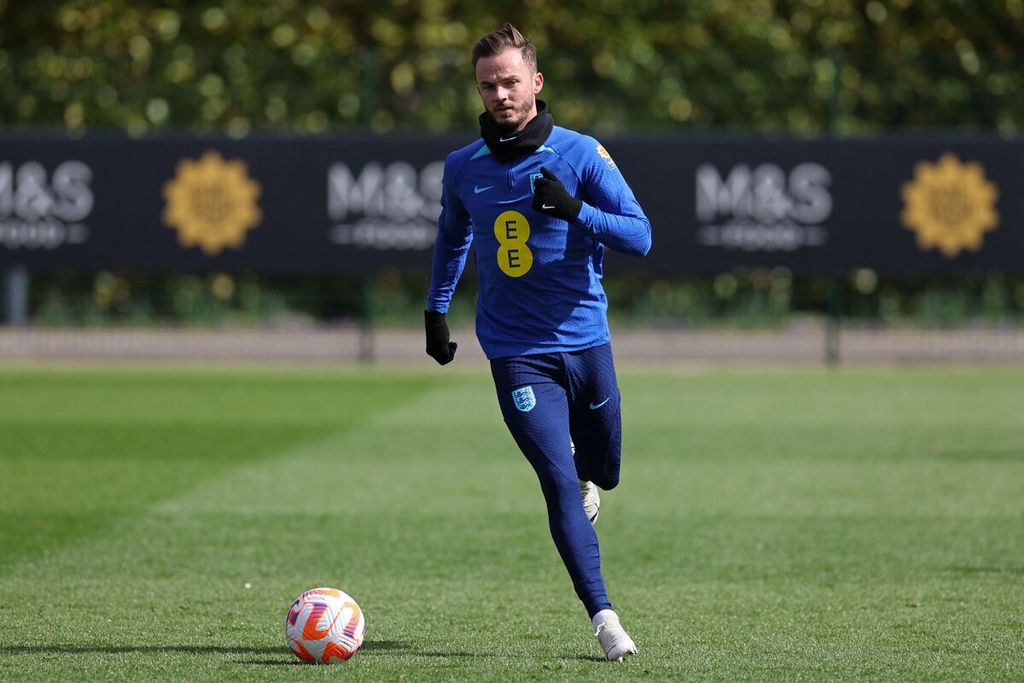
(438,346)
(551,198)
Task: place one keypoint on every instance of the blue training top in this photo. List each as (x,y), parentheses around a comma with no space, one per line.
(540,277)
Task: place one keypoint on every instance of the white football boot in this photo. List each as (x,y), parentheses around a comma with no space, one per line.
(591,500)
(615,642)
(588,493)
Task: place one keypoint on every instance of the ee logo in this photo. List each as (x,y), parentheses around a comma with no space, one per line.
(512,230)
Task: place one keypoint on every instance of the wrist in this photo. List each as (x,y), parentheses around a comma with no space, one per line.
(574,209)
(584,212)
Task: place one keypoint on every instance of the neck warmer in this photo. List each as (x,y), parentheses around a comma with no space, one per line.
(507,146)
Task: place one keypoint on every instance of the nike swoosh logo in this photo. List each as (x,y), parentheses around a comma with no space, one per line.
(477,189)
(508,139)
(546,206)
(595,406)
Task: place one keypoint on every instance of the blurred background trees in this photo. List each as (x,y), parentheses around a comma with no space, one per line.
(803,67)
(800,66)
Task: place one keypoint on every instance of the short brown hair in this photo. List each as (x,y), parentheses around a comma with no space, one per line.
(506,37)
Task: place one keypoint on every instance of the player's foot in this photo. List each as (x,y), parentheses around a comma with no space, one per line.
(591,500)
(615,642)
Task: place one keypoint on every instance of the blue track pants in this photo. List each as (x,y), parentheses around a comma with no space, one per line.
(547,399)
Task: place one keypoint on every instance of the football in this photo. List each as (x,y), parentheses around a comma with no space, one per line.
(324,625)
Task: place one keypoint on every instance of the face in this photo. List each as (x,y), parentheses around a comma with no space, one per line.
(508,88)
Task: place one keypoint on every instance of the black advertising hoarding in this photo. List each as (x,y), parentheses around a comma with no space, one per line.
(362,203)
(206,204)
(896,204)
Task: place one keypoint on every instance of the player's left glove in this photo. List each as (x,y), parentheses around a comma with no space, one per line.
(551,198)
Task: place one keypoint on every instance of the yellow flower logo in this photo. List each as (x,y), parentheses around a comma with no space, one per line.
(211,203)
(950,205)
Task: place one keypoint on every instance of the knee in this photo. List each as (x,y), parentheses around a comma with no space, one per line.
(559,490)
(606,482)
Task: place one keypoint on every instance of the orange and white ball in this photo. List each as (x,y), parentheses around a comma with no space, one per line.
(324,625)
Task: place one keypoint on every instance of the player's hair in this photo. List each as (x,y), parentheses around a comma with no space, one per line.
(506,37)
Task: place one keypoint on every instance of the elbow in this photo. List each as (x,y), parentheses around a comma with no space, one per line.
(644,244)
(637,245)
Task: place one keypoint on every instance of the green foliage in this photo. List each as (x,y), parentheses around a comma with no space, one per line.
(743,298)
(976,299)
(802,66)
(107,298)
(805,66)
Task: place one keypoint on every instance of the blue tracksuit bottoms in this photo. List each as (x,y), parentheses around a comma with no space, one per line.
(546,400)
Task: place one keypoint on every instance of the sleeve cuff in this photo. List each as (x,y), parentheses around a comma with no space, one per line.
(586,217)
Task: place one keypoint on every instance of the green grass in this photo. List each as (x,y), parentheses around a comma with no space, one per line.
(770,525)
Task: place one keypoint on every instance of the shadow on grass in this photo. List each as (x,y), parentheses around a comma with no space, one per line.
(282,657)
(972,571)
(367,650)
(381,647)
(176,649)
(590,658)
(126,649)
(277,661)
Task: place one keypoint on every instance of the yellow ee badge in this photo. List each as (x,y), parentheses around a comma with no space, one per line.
(950,205)
(212,203)
(512,230)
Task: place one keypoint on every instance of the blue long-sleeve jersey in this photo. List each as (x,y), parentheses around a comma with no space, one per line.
(540,277)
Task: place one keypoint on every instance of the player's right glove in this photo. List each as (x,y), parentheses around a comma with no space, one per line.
(439,347)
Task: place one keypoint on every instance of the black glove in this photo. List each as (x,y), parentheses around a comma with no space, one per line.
(550,197)
(438,346)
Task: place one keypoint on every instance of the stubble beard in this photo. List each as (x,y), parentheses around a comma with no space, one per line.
(522,112)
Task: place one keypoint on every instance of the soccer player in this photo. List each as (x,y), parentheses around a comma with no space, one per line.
(541,203)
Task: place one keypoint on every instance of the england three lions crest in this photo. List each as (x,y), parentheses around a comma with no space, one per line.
(524,399)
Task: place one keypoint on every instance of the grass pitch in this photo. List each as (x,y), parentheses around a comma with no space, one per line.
(156,524)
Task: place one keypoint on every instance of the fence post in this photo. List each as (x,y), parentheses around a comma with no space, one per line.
(833,320)
(834,312)
(367,351)
(15,289)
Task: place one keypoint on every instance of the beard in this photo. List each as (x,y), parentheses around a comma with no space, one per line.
(509,121)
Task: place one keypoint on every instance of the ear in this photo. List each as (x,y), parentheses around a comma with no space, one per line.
(538,82)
